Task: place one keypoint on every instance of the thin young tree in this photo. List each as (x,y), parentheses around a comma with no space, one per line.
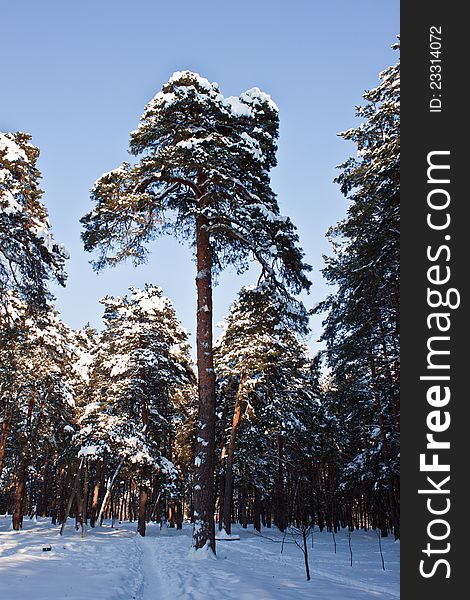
(202,175)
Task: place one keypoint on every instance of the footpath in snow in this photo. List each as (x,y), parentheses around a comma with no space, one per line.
(116,564)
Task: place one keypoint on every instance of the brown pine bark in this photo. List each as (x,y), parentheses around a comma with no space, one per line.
(305,550)
(257,510)
(107,496)
(280,517)
(203,493)
(171,513)
(72,496)
(84,500)
(17,518)
(228,488)
(243,508)
(43,495)
(179,514)
(7,419)
(385,451)
(221,498)
(79,503)
(394,384)
(96,493)
(56,501)
(63,494)
(142,518)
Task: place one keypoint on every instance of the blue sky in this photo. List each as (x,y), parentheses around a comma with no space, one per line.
(77,77)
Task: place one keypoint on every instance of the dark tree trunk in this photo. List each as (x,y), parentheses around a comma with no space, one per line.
(221,498)
(96,493)
(305,549)
(203,496)
(243,508)
(228,495)
(280,518)
(171,514)
(59,493)
(142,518)
(79,502)
(85,500)
(257,510)
(268,514)
(43,495)
(107,496)
(72,495)
(66,488)
(179,514)
(7,419)
(17,519)
(385,450)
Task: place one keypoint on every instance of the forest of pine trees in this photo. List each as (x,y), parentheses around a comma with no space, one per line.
(122,423)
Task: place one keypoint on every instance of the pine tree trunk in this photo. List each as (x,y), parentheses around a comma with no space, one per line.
(221,499)
(7,419)
(203,496)
(171,514)
(107,496)
(84,499)
(393,383)
(280,519)
(228,498)
(243,508)
(142,518)
(96,493)
(385,452)
(268,514)
(179,514)
(63,494)
(305,549)
(55,513)
(221,473)
(17,519)
(257,510)
(79,503)
(72,495)
(43,496)
(227,512)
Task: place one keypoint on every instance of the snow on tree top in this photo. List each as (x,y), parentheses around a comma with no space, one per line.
(202,81)
(114,172)
(237,107)
(255,96)
(242,106)
(151,299)
(184,82)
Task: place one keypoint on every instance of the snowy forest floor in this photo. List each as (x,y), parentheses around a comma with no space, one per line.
(116,564)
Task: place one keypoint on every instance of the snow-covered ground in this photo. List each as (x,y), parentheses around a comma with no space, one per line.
(116,564)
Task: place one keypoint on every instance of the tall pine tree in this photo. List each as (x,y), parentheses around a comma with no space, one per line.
(203,176)
(362,326)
